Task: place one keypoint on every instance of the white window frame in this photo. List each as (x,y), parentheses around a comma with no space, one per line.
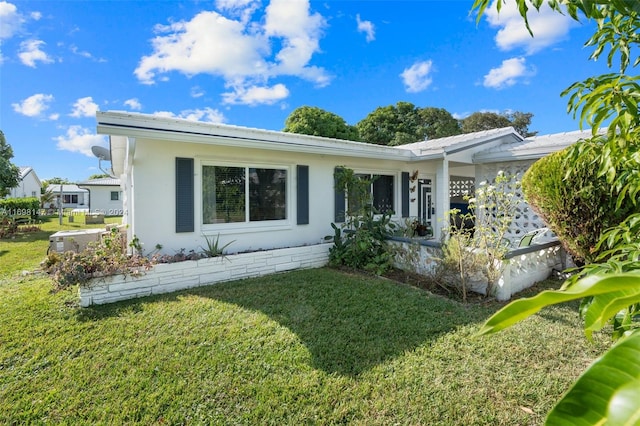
(247,226)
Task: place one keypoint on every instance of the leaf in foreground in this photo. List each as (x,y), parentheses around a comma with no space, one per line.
(590,286)
(608,392)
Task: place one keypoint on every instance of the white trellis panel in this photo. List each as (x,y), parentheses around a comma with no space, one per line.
(525,219)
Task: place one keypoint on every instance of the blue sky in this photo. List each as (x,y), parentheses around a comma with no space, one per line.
(251,63)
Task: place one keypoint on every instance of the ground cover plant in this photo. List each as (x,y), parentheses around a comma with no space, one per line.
(316,346)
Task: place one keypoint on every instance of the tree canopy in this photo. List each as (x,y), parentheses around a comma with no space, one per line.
(405,123)
(9,172)
(480,121)
(315,121)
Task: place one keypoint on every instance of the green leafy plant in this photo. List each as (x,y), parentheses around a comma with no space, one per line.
(102,258)
(468,254)
(213,248)
(360,242)
(609,389)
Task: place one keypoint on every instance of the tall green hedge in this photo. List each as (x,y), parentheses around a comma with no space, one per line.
(576,203)
(20,207)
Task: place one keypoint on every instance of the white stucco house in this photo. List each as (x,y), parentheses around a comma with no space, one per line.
(272,196)
(183,181)
(71,196)
(29,185)
(105,196)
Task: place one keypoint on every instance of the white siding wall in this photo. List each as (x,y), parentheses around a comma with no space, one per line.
(26,188)
(100,200)
(153,196)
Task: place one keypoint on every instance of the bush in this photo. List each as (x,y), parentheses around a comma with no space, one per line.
(575,202)
(105,257)
(20,207)
(360,242)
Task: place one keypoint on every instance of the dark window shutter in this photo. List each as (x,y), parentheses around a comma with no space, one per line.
(405,194)
(339,212)
(303,195)
(184,195)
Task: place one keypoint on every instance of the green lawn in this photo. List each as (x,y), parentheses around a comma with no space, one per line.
(306,347)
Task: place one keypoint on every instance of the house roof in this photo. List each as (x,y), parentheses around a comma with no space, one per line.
(120,124)
(66,188)
(24,171)
(532,147)
(101,182)
(457,143)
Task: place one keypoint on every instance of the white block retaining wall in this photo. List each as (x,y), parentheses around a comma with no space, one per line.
(168,277)
(522,267)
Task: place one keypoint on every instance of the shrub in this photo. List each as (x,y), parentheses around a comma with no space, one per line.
(20,207)
(102,258)
(477,254)
(360,242)
(575,201)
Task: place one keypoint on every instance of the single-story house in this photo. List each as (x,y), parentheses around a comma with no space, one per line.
(71,195)
(183,181)
(28,185)
(105,196)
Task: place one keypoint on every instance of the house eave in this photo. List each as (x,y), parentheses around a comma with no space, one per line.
(159,128)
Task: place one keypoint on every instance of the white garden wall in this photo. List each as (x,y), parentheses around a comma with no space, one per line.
(169,277)
(522,267)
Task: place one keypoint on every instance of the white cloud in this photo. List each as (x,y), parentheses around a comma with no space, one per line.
(84,107)
(417,77)
(133,104)
(76,51)
(10,20)
(241,51)
(36,16)
(33,106)
(366,27)
(79,139)
(508,73)
(31,52)
(209,43)
(196,92)
(208,115)
(548,27)
(256,95)
(300,34)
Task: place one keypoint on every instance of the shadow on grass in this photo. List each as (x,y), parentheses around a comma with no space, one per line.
(349,322)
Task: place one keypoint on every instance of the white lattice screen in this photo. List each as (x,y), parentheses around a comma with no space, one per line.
(525,218)
(460,186)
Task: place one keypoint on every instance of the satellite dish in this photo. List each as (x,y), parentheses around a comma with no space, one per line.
(101,152)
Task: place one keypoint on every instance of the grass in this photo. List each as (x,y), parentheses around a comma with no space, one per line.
(307,347)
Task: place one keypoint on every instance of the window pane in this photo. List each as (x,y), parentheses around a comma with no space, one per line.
(267,194)
(223,194)
(114,196)
(359,193)
(383,193)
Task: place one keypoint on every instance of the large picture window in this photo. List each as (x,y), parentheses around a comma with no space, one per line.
(243,194)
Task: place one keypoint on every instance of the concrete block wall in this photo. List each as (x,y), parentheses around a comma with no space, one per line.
(170,277)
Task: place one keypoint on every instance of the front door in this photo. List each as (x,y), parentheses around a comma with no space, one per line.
(426,209)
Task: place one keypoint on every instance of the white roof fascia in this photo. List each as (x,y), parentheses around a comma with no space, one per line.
(532,148)
(179,130)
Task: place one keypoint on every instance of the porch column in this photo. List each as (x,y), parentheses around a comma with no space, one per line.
(442,197)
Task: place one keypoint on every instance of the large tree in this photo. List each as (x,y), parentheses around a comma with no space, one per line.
(404,123)
(318,122)
(608,392)
(480,121)
(9,173)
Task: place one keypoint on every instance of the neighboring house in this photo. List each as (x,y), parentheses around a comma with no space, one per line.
(262,189)
(72,196)
(28,186)
(105,196)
